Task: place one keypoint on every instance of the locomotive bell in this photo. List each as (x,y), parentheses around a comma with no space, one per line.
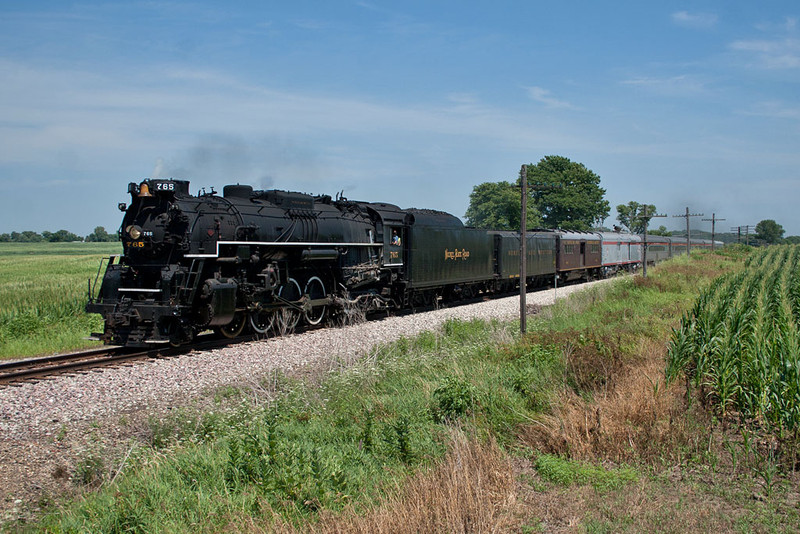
(144,191)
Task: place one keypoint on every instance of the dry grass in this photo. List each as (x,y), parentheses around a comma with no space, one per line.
(472,490)
(631,416)
(644,506)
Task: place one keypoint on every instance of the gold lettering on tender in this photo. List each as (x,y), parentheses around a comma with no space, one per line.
(462,254)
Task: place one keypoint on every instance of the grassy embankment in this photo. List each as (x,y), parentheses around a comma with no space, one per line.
(43,290)
(466,429)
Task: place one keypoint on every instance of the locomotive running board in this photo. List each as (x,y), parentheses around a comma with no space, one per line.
(281,243)
(138,290)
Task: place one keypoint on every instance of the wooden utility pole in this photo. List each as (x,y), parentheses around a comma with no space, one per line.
(688,236)
(646,218)
(523,252)
(523,244)
(713,220)
(746,229)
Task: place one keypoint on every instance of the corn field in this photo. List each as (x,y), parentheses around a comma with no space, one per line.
(740,343)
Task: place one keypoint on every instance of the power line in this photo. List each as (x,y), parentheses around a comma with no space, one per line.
(646,218)
(746,229)
(687,215)
(713,220)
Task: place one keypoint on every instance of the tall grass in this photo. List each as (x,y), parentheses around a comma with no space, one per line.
(43,288)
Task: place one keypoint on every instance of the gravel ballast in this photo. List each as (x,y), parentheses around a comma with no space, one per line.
(35,417)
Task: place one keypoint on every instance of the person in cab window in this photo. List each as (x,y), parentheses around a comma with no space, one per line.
(395,238)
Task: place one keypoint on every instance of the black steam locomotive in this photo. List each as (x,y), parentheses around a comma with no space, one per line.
(260,260)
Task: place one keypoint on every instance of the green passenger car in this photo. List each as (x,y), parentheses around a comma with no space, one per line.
(540,250)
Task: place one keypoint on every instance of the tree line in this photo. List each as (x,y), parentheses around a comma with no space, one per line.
(61,236)
(567,195)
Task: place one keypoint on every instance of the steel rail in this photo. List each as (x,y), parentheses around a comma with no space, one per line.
(21,371)
(26,370)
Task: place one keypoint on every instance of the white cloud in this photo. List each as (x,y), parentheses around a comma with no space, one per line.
(774,109)
(771,54)
(463,98)
(694,20)
(681,85)
(312,24)
(789,24)
(543,96)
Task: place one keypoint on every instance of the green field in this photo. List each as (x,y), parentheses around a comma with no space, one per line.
(43,290)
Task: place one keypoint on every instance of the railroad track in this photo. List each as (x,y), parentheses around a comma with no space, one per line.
(34,369)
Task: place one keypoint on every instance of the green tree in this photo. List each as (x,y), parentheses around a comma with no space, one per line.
(769,231)
(577,204)
(631,216)
(661,230)
(62,236)
(792,239)
(100,235)
(28,236)
(498,205)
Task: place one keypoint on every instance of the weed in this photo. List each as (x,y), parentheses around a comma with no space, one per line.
(226,393)
(89,470)
(453,398)
(569,472)
(766,467)
(366,436)
(402,428)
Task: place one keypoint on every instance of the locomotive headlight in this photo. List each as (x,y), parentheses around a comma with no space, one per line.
(134,232)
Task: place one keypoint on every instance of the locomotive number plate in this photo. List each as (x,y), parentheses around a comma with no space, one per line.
(136,244)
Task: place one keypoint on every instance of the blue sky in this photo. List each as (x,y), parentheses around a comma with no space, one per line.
(672,103)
